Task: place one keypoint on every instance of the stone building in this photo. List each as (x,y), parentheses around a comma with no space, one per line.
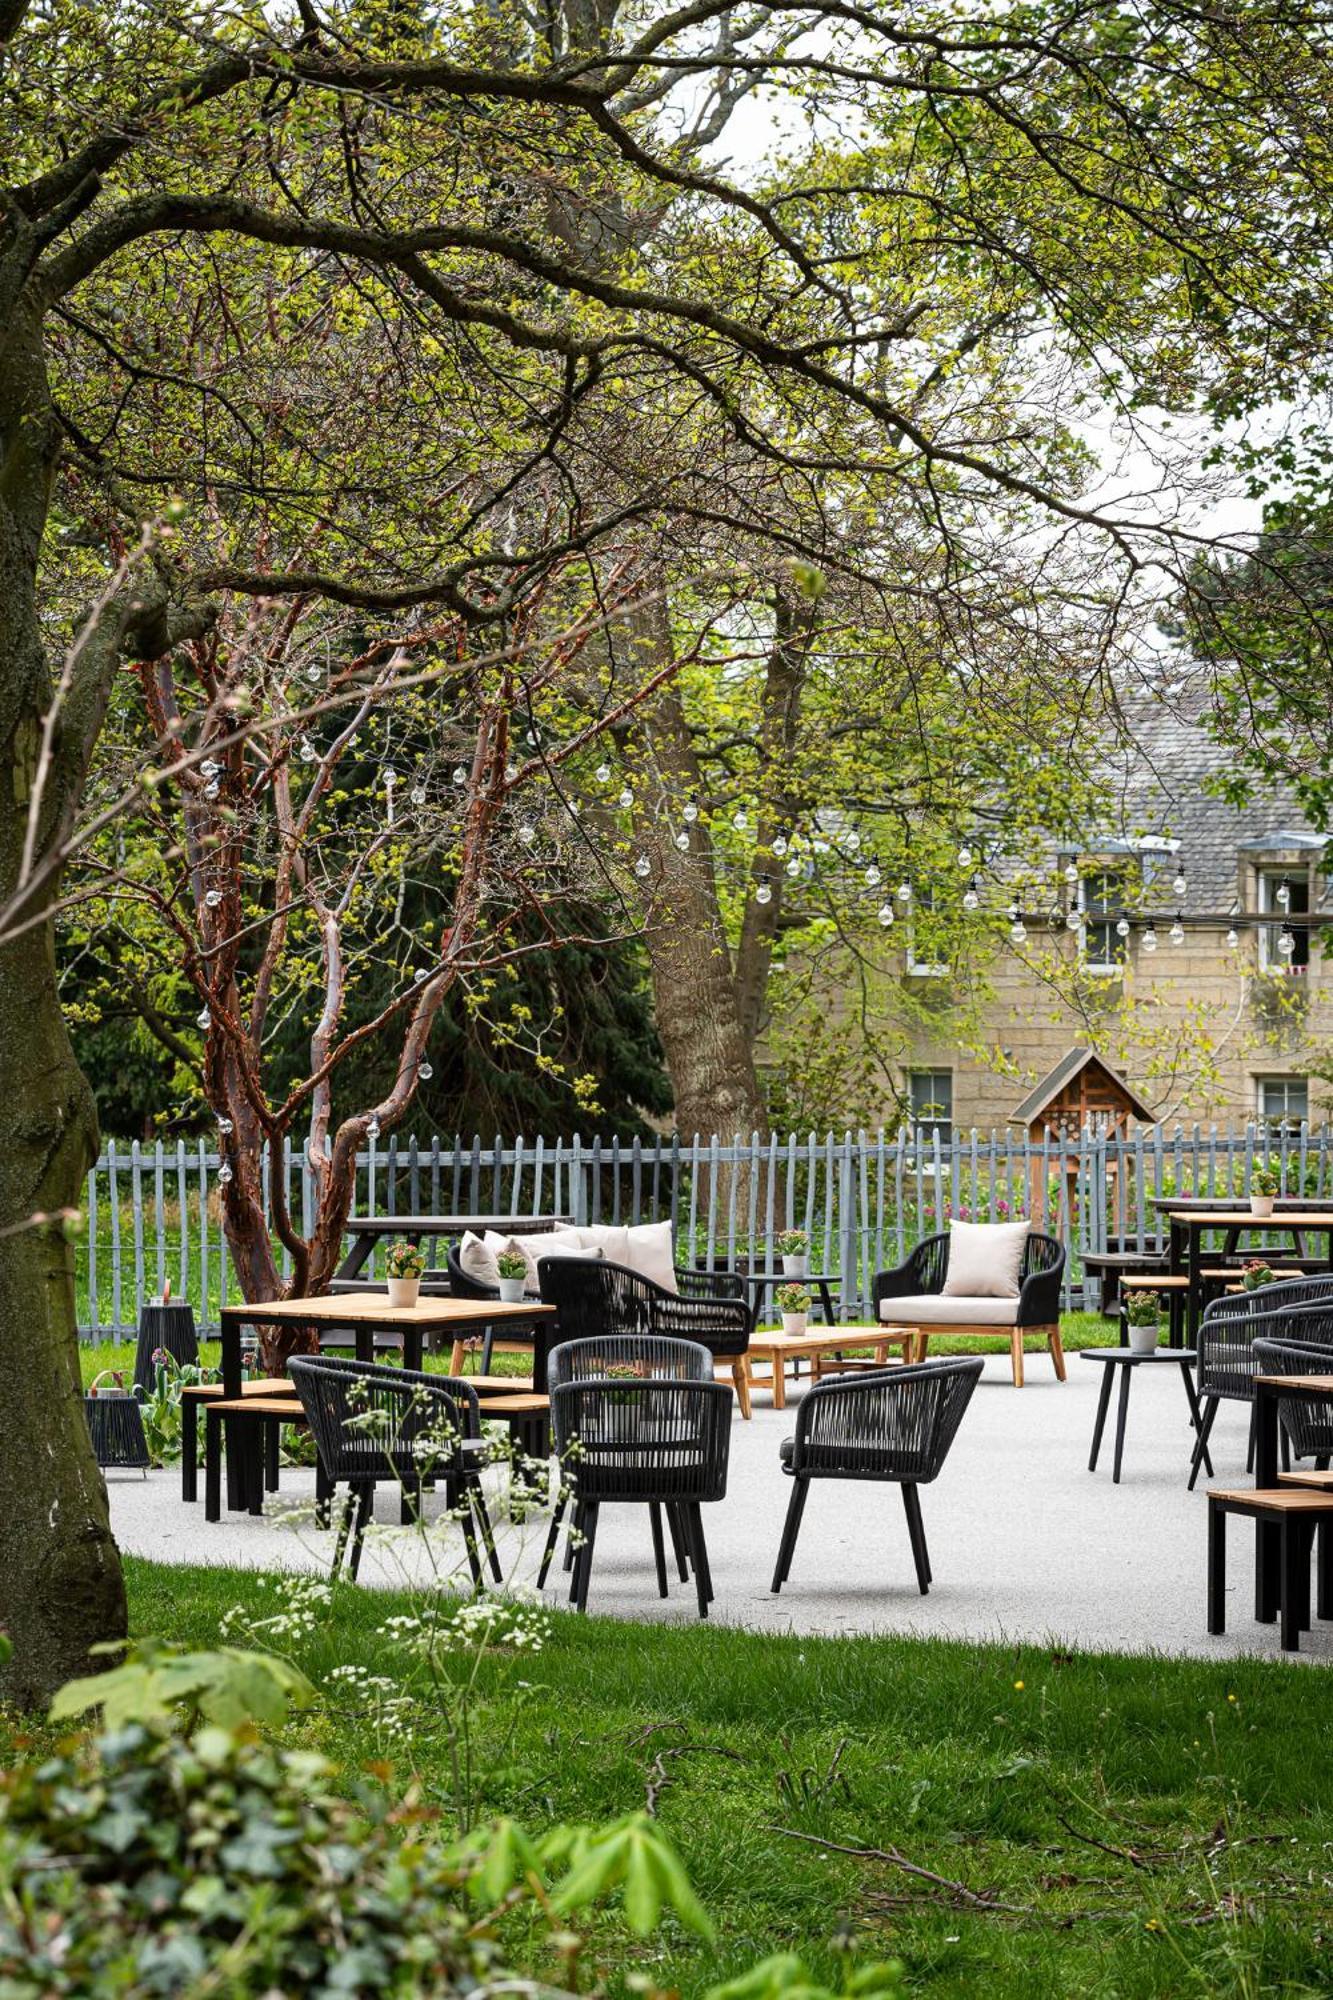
(1193,966)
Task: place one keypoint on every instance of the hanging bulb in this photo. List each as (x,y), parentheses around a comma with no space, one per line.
(779,845)
(211,791)
(764,893)
(643,867)
(1286,943)
(224,1174)
(683,841)
(421,975)
(873,877)
(390,777)
(424,1072)
(1177,931)
(1018,931)
(1233,938)
(853,840)
(626,797)
(1149,937)
(224,1125)
(204,1018)
(740,820)
(1122,927)
(527,833)
(904,892)
(794,867)
(511,772)
(314,675)
(532,739)
(691,811)
(1284,894)
(459,775)
(603,774)
(1071,873)
(1179,885)
(212,899)
(886,914)
(1074,921)
(964,856)
(209,768)
(373,1129)
(971,900)
(418,795)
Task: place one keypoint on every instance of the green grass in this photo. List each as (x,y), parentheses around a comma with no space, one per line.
(1160,1827)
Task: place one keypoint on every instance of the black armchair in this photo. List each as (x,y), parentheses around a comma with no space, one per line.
(594,1299)
(1308,1425)
(895,1427)
(659,1440)
(913,1292)
(1299,1310)
(372,1423)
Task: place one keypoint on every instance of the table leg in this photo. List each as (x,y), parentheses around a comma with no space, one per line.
(412,1347)
(1103,1405)
(825,1301)
(189,1448)
(1191,1312)
(1267,1552)
(356,1257)
(231,1356)
(365,1343)
(1217,1567)
(779,1368)
(1196,1415)
(1126,1370)
(212,1466)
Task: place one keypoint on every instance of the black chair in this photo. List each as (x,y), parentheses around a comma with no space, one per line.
(595,1300)
(372,1423)
(922,1274)
(1307,1425)
(1294,1309)
(896,1427)
(655,1440)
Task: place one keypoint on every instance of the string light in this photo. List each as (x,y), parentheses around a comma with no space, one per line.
(1074,921)
(511,772)
(1018,931)
(626,797)
(1179,885)
(209,768)
(603,776)
(904,892)
(527,833)
(779,845)
(886,914)
(1233,938)
(373,1129)
(421,975)
(873,877)
(390,777)
(971,900)
(224,1125)
(642,867)
(1122,927)
(683,841)
(224,1174)
(1286,943)
(740,820)
(211,791)
(965,856)
(1149,937)
(1177,931)
(764,893)
(418,795)
(853,840)
(1071,873)
(1284,894)
(691,812)
(460,775)
(308,751)
(213,898)
(204,1018)
(794,867)
(424,1072)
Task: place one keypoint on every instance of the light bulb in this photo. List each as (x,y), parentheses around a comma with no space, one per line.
(224,1125)
(1284,894)
(211,791)
(971,900)
(764,893)
(853,840)
(418,795)
(793,867)
(314,675)
(643,866)
(780,845)
(1018,931)
(1074,921)
(691,812)
(1233,938)
(1071,873)
(1179,885)
(964,856)
(603,774)
(527,833)
(459,775)
(213,898)
(873,877)
(1122,927)
(1286,944)
(1177,931)
(886,914)
(740,820)
(511,772)
(209,768)
(421,975)
(224,1174)
(904,892)
(424,1072)
(204,1018)
(626,797)
(1149,939)
(683,841)
(390,777)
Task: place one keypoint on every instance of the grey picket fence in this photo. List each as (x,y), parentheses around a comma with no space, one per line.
(152,1211)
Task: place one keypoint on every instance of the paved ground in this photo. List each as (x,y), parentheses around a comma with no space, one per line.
(1025,1543)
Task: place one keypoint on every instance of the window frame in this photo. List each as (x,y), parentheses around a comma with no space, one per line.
(1286,1120)
(1268,875)
(1119,870)
(924,1128)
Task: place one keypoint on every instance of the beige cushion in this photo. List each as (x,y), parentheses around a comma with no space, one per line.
(985,1259)
(476,1259)
(932,1309)
(643,1247)
(550,1243)
(611,1239)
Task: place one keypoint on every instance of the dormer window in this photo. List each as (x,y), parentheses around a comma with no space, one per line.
(1103,893)
(1285,893)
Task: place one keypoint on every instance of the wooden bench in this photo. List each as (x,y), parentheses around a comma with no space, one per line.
(253,1428)
(1295,1510)
(195,1393)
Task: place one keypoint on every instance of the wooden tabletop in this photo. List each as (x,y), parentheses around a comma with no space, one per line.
(1232,1218)
(1313,1385)
(373,1309)
(449,1225)
(830,1336)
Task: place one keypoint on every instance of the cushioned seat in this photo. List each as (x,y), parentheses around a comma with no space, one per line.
(948,1309)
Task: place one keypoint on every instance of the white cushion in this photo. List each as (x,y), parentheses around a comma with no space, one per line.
(985,1259)
(550,1243)
(611,1239)
(932,1309)
(476,1259)
(644,1247)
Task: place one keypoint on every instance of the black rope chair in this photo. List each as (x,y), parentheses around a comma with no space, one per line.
(1308,1425)
(923,1271)
(651,1360)
(372,1423)
(650,1439)
(1295,1309)
(896,1426)
(595,1300)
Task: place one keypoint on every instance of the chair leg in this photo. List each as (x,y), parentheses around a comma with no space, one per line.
(917,1533)
(1201,1441)
(1016,1355)
(272,1452)
(1249,1455)
(1284,1446)
(189,1448)
(1324,1571)
(487,1350)
(574,1542)
(1056,1346)
(552,1537)
(462,1499)
(323,1495)
(583,1567)
(1217,1566)
(791,1528)
(484,1523)
(705,1574)
(344,1530)
(363,1513)
(695,1535)
(1306,1540)
(740,1375)
(678,1543)
(457,1358)
(659,1548)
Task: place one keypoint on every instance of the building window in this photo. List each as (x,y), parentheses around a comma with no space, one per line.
(931,1095)
(1270,885)
(1102,896)
(1283,1100)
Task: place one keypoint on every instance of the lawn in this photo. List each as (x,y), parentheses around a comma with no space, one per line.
(1041,1824)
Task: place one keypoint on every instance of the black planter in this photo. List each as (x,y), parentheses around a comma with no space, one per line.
(115,1425)
(170,1326)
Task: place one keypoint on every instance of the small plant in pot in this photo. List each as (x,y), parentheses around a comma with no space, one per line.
(1254,1273)
(1265,1183)
(403,1266)
(513,1268)
(794,1305)
(1143,1322)
(794,1250)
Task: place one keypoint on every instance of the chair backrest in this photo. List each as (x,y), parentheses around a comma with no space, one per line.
(461,1286)
(657,1439)
(654,1358)
(595,1299)
(371,1422)
(895,1423)
(929,1261)
(1298,1310)
(1308,1424)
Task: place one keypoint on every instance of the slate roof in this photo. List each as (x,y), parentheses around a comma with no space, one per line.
(1064,1072)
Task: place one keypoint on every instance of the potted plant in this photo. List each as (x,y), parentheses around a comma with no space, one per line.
(1265,1182)
(403,1266)
(513,1268)
(794,1305)
(1143,1317)
(623,1371)
(1254,1273)
(794,1250)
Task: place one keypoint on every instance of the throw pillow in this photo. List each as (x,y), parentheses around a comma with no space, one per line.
(550,1243)
(476,1259)
(985,1259)
(653,1254)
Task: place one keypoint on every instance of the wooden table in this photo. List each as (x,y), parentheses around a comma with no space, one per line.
(367,1230)
(780,1348)
(1189,1226)
(366,1313)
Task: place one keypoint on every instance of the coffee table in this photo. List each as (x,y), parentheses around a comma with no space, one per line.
(1126,1360)
(821,1348)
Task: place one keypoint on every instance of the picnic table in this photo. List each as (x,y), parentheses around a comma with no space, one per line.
(1189,1226)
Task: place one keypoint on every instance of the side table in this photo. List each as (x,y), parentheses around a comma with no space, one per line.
(1126,1360)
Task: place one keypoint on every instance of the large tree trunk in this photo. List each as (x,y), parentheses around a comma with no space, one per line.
(61,1589)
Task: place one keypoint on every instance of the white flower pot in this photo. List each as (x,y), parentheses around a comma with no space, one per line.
(1143,1339)
(795,1322)
(511,1291)
(1262,1204)
(403,1291)
(796,1267)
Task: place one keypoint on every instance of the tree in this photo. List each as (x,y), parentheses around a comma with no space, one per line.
(438,217)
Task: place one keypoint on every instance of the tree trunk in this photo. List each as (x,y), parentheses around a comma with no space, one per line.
(61,1589)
